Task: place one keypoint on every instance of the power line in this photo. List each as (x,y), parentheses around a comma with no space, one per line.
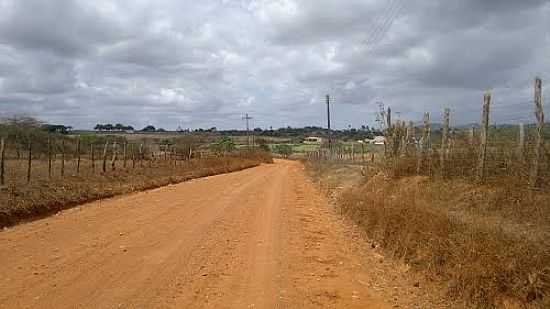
(380,30)
(378,21)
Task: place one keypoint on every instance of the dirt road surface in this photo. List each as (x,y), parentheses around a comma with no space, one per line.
(258,238)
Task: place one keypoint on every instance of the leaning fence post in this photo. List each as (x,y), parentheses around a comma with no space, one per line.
(29,164)
(539,142)
(483,137)
(444,141)
(113,159)
(2,152)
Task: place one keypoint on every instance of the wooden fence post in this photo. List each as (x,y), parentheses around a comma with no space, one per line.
(521,142)
(29,162)
(62,157)
(2,153)
(483,137)
(471,135)
(49,157)
(444,141)
(17,147)
(423,144)
(152,153)
(140,155)
(124,155)
(133,156)
(78,155)
(104,167)
(175,156)
(113,159)
(92,157)
(539,142)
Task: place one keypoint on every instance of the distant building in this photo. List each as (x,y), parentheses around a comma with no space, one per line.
(313,140)
(377,140)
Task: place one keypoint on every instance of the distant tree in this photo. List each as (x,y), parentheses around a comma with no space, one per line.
(283,149)
(56,128)
(224,144)
(161,130)
(263,144)
(149,128)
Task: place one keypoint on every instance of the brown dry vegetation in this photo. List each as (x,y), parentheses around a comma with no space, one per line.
(487,243)
(20,201)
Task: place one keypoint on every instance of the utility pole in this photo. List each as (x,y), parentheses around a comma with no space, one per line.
(328,125)
(247,118)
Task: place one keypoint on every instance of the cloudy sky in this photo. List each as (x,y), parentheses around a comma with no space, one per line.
(205,63)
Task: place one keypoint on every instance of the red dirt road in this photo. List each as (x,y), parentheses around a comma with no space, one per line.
(258,238)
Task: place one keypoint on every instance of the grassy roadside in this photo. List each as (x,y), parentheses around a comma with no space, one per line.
(489,245)
(41,198)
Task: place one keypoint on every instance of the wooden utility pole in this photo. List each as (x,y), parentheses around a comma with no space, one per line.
(2,153)
(247,118)
(539,142)
(484,133)
(328,126)
(388,119)
(444,141)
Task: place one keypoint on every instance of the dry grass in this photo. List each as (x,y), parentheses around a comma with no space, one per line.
(489,244)
(21,201)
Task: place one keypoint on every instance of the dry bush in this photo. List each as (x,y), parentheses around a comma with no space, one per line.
(490,244)
(22,201)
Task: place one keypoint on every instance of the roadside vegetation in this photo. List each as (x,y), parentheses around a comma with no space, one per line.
(44,172)
(468,208)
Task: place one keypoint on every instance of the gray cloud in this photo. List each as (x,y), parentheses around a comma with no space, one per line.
(171,63)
